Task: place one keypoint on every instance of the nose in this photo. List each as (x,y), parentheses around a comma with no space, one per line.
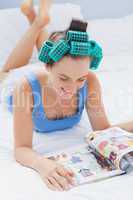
(71,87)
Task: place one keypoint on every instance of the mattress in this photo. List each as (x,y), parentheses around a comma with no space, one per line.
(18,182)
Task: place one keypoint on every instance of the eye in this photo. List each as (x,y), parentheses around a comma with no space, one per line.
(63,78)
(81,80)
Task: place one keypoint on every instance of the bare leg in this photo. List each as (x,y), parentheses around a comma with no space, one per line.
(28,10)
(23,51)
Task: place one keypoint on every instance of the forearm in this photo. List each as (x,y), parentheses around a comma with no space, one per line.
(29,158)
(98,120)
(128,126)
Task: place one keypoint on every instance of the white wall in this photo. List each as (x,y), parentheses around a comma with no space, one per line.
(90,8)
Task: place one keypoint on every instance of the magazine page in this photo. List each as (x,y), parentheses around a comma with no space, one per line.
(112,143)
(84,164)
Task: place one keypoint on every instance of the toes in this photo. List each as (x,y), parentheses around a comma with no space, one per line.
(24,8)
(28,11)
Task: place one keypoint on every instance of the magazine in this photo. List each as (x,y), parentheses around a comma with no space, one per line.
(115,145)
(99,158)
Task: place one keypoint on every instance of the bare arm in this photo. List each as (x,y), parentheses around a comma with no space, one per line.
(128,126)
(23,127)
(94,104)
(53,174)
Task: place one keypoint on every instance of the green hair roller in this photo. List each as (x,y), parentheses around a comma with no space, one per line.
(77,36)
(80,48)
(59,50)
(44,51)
(76,43)
(96,54)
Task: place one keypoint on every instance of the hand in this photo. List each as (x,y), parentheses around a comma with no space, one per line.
(55,175)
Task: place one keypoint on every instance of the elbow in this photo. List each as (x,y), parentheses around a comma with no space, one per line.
(17,153)
(101,126)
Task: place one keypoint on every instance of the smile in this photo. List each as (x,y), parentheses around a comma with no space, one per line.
(65,92)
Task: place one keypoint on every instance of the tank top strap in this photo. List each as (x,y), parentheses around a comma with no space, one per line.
(83,94)
(36,88)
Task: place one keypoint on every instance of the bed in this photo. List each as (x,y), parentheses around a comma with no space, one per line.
(115,75)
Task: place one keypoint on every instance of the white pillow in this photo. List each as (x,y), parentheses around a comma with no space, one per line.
(118,62)
(13,25)
(115,35)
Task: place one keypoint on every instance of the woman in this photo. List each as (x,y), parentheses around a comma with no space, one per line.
(53,99)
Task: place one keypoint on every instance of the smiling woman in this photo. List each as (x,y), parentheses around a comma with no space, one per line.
(53,99)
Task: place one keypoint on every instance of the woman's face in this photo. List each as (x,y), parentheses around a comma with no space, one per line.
(69,75)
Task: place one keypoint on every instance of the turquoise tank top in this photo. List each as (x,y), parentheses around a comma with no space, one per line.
(40,121)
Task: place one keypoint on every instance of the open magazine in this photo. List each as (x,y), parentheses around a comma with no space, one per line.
(105,154)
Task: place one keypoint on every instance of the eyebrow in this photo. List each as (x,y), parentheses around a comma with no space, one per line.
(69,77)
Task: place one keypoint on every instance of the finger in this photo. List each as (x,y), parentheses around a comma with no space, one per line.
(61,180)
(55,183)
(70,172)
(49,185)
(66,173)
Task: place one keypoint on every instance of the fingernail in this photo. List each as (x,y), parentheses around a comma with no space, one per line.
(71,174)
(73,182)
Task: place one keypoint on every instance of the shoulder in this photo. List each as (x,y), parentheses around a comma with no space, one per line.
(24,85)
(92,77)
(42,75)
(22,94)
(92,81)
(23,90)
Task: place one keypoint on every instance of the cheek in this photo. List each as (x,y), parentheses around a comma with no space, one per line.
(58,83)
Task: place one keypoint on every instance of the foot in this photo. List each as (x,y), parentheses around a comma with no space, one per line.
(28,10)
(43,17)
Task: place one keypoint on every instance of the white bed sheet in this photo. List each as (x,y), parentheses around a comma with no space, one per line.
(20,183)
(23,183)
